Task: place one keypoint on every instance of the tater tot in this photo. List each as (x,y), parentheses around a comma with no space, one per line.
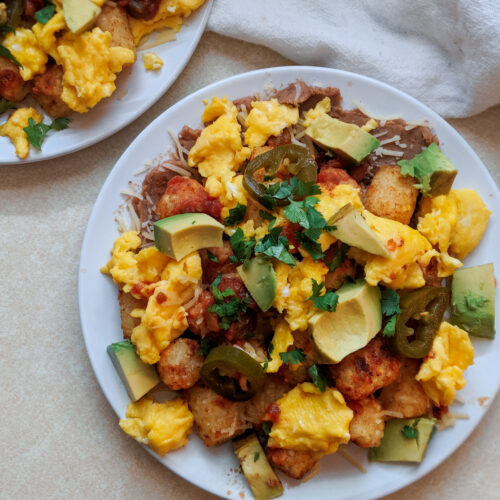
(12,86)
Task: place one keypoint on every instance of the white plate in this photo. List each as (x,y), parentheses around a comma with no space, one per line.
(136,91)
(99,309)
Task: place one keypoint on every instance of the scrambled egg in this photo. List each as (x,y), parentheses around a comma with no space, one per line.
(152,61)
(268,118)
(129,268)
(90,66)
(228,189)
(311,420)
(169,15)
(441,373)
(215,108)
(282,339)
(322,108)
(25,48)
(293,287)
(219,150)
(13,128)
(409,251)
(162,426)
(455,221)
(46,34)
(165,318)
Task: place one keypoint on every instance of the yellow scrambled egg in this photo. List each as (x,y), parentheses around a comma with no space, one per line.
(228,189)
(409,251)
(282,339)
(218,151)
(169,15)
(162,426)
(13,128)
(293,287)
(455,221)
(322,108)
(90,66)
(441,373)
(268,118)
(311,420)
(165,318)
(23,44)
(46,34)
(152,61)
(128,267)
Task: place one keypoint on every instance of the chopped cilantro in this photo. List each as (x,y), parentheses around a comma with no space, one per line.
(313,248)
(270,348)
(390,302)
(327,302)
(5,52)
(410,431)
(228,311)
(5,105)
(7,29)
(339,258)
(475,301)
(318,377)
(390,326)
(267,216)
(283,190)
(211,256)
(242,247)
(36,132)
(256,456)
(295,357)
(265,365)
(236,215)
(275,245)
(266,427)
(205,347)
(44,15)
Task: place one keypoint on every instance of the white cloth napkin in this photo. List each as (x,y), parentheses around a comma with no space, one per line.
(445,53)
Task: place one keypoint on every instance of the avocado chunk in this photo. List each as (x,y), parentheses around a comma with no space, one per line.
(261,477)
(397,447)
(346,139)
(433,170)
(260,279)
(357,319)
(137,377)
(351,228)
(179,235)
(473,300)
(80,14)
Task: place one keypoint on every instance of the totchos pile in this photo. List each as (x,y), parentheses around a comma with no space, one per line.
(289,275)
(67,55)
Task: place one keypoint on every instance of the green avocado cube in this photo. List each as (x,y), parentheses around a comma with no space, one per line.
(137,376)
(346,139)
(260,279)
(405,440)
(433,170)
(473,300)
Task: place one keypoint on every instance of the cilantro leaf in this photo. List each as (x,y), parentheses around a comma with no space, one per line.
(270,348)
(5,105)
(295,213)
(256,456)
(266,427)
(7,29)
(410,431)
(286,189)
(60,123)
(306,188)
(236,215)
(242,247)
(295,357)
(36,132)
(228,311)
(327,302)
(211,256)
(313,248)
(267,216)
(390,326)
(318,377)
(339,258)
(275,245)
(390,302)
(5,52)
(44,15)
(218,295)
(205,347)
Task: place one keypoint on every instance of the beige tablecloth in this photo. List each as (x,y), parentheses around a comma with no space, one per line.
(59,436)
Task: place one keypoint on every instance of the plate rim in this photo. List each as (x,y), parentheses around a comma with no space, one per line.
(204,11)
(430,114)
